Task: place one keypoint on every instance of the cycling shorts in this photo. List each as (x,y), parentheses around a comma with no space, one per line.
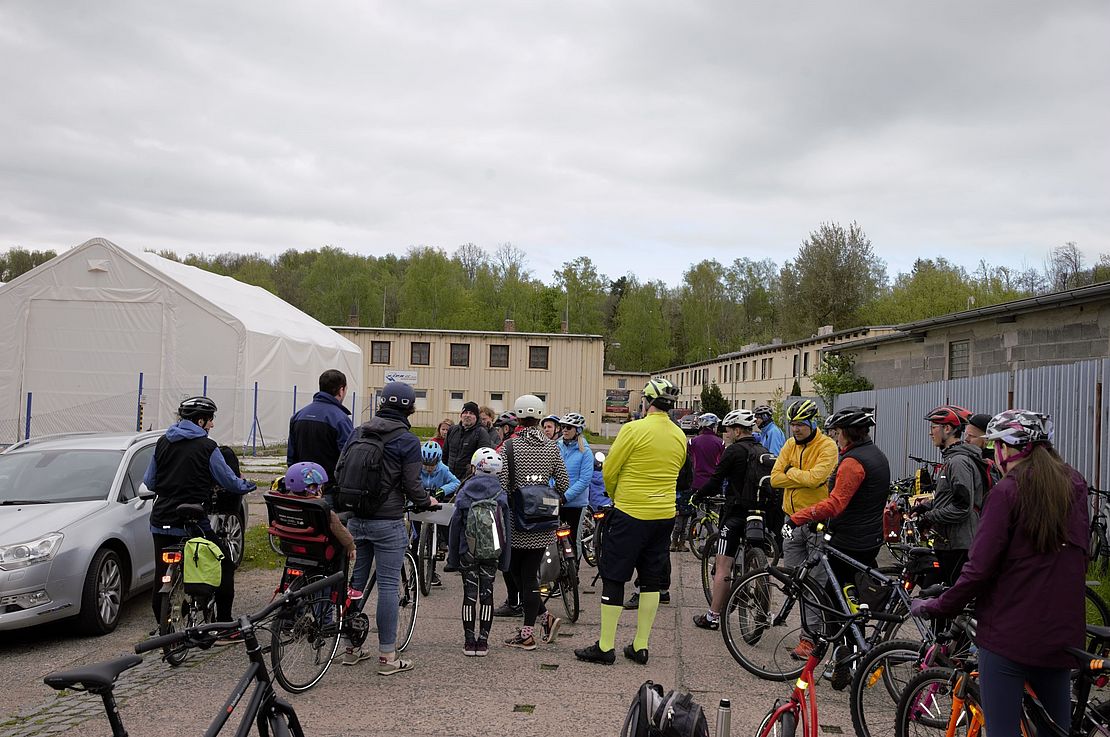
(731,535)
(642,545)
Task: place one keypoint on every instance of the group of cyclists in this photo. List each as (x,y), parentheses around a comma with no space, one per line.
(1008,517)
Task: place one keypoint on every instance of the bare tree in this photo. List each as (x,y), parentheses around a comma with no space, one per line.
(471,257)
(1066,267)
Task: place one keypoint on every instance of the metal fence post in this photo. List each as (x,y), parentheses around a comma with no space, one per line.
(27,429)
(254,423)
(354,405)
(139,406)
(294,399)
(204,389)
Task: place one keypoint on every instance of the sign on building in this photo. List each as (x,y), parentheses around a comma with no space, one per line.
(616,401)
(406,377)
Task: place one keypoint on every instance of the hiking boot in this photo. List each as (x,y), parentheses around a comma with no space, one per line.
(355,655)
(594,654)
(803,650)
(637,656)
(634,601)
(704,622)
(481,649)
(521,642)
(550,624)
(508,610)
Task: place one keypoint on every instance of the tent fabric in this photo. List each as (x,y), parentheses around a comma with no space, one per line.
(82,327)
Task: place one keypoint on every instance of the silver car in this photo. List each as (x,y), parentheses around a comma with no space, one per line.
(75,528)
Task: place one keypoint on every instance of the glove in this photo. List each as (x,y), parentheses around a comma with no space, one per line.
(788,528)
(921,508)
(917,609)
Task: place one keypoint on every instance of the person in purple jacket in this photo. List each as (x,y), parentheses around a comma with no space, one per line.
(705,449)
(1031,548)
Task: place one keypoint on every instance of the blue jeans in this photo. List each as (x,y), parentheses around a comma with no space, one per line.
(384,539)
(1002,683)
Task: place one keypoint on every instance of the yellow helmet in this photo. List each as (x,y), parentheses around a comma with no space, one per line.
(661,393)
(802,411)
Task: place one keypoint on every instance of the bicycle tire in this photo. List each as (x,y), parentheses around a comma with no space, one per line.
(879,679)
(586,531)
(705,531)
(755,559)
(749,629)
(1098,612)
(425,556)
(275,544)
(178,614)
(925,706)
(708,567)
(305,638)
(778,723)
(568,585)
(408,602)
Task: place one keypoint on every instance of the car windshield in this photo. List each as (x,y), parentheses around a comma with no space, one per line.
(50,476)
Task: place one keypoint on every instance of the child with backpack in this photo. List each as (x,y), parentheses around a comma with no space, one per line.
(478,545)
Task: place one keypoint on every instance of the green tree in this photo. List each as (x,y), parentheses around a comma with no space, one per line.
(713,400)
(432,292)
(703,312)
(641,331)
(751,284)
(835,376)
(18,261)
(584,295)
(796,390)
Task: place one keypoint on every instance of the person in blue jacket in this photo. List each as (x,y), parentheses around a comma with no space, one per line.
(437,480)
(580,470)
(768,435)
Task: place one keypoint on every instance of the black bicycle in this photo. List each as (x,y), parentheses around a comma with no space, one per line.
(565,584)
(265,710)
(759,550)
(178,609)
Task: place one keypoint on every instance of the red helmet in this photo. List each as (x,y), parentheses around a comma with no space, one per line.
(949,414)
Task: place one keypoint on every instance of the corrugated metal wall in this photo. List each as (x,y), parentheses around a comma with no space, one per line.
(1070,393)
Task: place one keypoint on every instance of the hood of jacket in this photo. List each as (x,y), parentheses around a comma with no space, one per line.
(184,430)
(961,449)
(388,420)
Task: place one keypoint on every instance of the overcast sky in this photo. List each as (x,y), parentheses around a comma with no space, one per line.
(646,135)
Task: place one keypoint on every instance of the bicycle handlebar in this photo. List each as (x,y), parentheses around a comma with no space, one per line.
(917,459)
(289,597)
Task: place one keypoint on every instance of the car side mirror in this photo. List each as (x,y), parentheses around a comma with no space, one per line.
(145,493)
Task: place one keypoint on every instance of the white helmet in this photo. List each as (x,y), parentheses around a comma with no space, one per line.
(573,419)
(741,417)
(708,420)
(486,460)
(529,405)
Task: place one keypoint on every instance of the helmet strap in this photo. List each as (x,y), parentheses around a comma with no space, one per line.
(1011,459)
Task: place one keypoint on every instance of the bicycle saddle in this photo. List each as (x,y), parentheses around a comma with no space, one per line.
(191,512)
(94,677)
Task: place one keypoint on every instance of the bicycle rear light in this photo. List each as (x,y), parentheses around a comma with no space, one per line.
(171,556)
(599,515)
(562,532)
(294,571)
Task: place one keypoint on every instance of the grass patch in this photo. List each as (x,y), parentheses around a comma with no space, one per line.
(257,552)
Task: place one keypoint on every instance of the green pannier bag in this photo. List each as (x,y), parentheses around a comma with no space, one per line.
(202,571)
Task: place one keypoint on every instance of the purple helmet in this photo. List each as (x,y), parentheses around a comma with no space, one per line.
(302,475)
(1020,427)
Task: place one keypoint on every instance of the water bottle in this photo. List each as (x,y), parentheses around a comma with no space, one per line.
(724,718)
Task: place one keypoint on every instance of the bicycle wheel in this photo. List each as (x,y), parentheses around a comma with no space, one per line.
(709,568)
(425,558)
(878,682)
(706,530)
(178,614)
(779,722)
(762,624)
(275,544)
(568,586)
(304,638)
(408,602)
(586,530)
(755,559)
(1098,613)
(925,706)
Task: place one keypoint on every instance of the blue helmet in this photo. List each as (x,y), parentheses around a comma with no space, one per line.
(400,396)
(430,453)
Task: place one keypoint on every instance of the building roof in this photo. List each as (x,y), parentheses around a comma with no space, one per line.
(480,333)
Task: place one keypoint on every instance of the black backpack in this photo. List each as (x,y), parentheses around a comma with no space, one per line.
(358,473)
(653,714)
(757,490)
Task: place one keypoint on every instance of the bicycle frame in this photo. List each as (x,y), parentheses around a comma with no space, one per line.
(803,699)
(262,700)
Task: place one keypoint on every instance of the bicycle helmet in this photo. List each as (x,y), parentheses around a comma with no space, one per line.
(802,411)
(708,420)
(430,453)
(506,419)
(1020,427)
(528,405)
(302,475)
(949,414)
(739,418)
(486,460)
(196,407)
(552,418)
(661,393)
(763,409)
(573,419)
(851,417)
(400,396)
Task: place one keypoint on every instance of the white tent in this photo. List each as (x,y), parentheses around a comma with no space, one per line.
(80,329)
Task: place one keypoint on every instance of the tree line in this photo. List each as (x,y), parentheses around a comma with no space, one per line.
(835,279)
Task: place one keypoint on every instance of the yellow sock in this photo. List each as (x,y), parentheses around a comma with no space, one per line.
(609,616)
(645,617)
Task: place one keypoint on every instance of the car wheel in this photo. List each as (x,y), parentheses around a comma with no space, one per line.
(102,595)
(233,530)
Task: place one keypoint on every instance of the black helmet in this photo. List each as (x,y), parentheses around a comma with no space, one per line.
(400,396)
(195,408)
(863,417)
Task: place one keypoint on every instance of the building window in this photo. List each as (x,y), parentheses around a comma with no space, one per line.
(420,354)
(460,354)
(622,383)
(805,364)
(763,368)
(744,371)
(959,359)
(537,357)
(456,401)
(542,396)
(379,351)
(499,356)
(421,399)
(795,365)
(497,401)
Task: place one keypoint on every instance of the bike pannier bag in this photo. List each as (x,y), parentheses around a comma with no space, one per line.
(358,473)
(201,567)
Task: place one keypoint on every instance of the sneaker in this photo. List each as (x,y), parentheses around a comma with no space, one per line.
(704,622)
(481,649)
(354,655)
(435,580)
(234,637)
(802,651)
(638,656)
(841,677)
(664,597)
(551,625)
(508,610)
(521,642)
(469,648)
(634,601)
(390,667)
(594,654)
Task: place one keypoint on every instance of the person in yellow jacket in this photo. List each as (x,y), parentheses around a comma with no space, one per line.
(641,472)
(802,471)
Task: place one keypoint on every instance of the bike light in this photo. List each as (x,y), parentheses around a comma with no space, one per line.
(300,549)
(562,532)
(294,572)
(21,555)
(167,578)
(599,515)
(171,556)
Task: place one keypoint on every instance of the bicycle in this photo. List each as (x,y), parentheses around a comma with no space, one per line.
(589,534)
(265,709)
(178,609)
(760,549)
(770,607)
(1099,551)
(705,524)
(800,709)
(427,542)
(566,583)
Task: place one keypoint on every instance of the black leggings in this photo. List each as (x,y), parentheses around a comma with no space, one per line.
(524,565)
(477,597)
(225,594)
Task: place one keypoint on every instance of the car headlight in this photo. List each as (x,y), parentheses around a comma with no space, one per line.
(21,555)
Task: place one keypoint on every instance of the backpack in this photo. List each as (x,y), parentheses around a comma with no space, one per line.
(484,536)
(757,477)
(988,472)
(653,714)
(358,473)
(202,569)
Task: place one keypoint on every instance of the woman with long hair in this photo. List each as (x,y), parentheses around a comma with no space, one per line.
(441,432)
(1030,549)
(579,461)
